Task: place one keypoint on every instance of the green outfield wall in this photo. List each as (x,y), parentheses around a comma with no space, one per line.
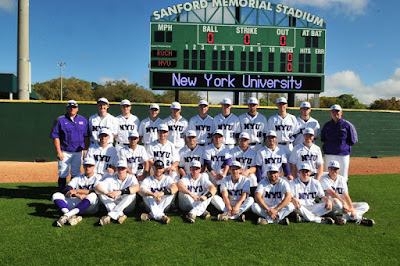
(26,125)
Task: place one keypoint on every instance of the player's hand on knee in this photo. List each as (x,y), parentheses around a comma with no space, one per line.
(60,156)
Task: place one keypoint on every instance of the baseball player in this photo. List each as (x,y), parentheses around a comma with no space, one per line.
(104,154)
(158,192)
(127,122)
(255,124)
(272,199)
(247,158)
(78,197)
(195,193)
(148,127)
(217,158)
(306,121)
(304,191)
(235,190)
(285,125)
(136,157)
(309,153)
(70,137)
(271,155)
(118,194)
(177,126)
(228,123)
(202,124)
(191,152)
(162,149)
(338,136)
(102,119)
(344,209)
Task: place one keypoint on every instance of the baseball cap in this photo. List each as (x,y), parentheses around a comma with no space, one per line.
(191,133)
(163,127)
(175,105)
(154,106)
(236,163)
(72,103)
(133,134)
(102,100)
(308,130)
(272,168)
(305,105)
(158,164)
(105,130)
(195,164)
(218,131)
(226,101)
(89,161)
(252,100)
(122,163)
(334,164)
(305,166)
(281,100)
(203,102)
(125,102)
(336,107)
(271,133)
(244,135)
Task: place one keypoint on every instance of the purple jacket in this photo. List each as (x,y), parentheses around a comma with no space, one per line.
(338,137)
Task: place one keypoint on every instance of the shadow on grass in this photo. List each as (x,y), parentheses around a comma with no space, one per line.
(27,192)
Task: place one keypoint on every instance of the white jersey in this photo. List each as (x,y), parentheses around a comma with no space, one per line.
(339,185)
(256,126)
(135,158)
(199,186)
(126,125)
(166,153)
(97,122)
(246,158)
(303,154)
(188,155)
(104,157)
(153,185)
(203,128)
(217,157)
(177,129)
(82,182)
(112,183)
(273,195)
(148,130)
(306,194)
(229,125)
(285,128)
(266,156)
(310,123)
(235,189)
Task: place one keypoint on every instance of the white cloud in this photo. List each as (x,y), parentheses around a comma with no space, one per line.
(104,80)
(350,7)
(8,5)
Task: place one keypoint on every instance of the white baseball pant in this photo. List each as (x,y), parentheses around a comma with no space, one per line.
(313,212)
(70,158)
(344,161)
(359,207)
(122,203)
(218,203)
(157,209)
(282,213)
(187,204)
(74,201)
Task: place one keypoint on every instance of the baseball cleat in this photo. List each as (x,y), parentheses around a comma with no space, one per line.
(284,221)
(122,219)
(144,217)
(206,215)
(222,217)
(104,220)
(298,218)
(190,218)
(327,220)
(165,219)
(261,221)
(339,220)
(62,221)
(242,218)
(367,222)
(74,220)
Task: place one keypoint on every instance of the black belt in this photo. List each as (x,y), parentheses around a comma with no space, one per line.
(253,143)
(126,144)
(283,143)
(202,144)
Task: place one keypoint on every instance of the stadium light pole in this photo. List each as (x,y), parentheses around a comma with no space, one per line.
(61,65)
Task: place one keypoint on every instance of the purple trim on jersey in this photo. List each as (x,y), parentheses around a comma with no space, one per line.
(71,134)
(228,161)
(286,169)
(67,188)
(207,162)
(83,205)
(61,204)
(338,137)
(259,173)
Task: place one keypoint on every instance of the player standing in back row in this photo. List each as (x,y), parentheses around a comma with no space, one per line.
(127,123)
(102,119)
(149,126)
(202,124)
(177,126)
(228,123)
(306,121)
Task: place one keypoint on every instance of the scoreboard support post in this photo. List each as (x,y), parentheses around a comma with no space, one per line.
(291,99)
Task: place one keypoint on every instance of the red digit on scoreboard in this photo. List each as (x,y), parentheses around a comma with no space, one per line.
(247,39)
(289,64)
(289,67)
(210,37)
(290,57)
(283,40)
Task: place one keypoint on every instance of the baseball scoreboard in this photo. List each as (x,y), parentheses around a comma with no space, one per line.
(222,57)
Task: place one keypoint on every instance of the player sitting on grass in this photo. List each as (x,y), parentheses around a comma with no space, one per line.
(118,193)
(79,196)
(344,209)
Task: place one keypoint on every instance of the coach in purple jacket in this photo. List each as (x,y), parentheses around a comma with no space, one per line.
(338,136)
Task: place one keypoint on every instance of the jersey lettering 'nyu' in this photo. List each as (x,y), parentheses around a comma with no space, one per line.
(217,157)
(285,128)
(135,158)
(104,157)
(311,123)
(177,129)
(198,186)
(82,182)
(246,158)
(273,194)
(229,125)
(96,123)
(126,125)
(256,126)
(148,130)
(203,128)
(303,154)
(166,153)
(266,156)
(151,183)
(306,194)
(188,155)
(235,189)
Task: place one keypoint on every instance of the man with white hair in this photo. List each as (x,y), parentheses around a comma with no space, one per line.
(177,125)
(306,121)
(202,124)
(127,122)
(228,123)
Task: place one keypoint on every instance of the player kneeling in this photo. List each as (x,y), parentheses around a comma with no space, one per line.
(79,197)
(158,192)
(235,190)
(344,209)
(118,193)
(273,198)
(304,191)
(195,193)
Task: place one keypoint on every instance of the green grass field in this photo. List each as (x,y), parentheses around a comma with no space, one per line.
(28,237)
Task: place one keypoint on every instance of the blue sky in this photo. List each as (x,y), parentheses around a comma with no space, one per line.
(104,40)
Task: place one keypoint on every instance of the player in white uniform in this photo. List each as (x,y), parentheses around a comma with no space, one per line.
(255,124)
(127,122)
(272,199)
(136,157)
(100,120)
(344,209)
(158,192)
(307,152)
(285,125)
(103,153)
(118,194)
(304,191)
(177,125)
(164,150)
(191,152)
(306,121)
(202,124)
(195,193)
(79,197)
(235,190)
(247,158)
(228,123)
(217,158)
(148,127)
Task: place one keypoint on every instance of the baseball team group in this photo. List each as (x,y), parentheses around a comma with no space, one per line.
(269,166)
